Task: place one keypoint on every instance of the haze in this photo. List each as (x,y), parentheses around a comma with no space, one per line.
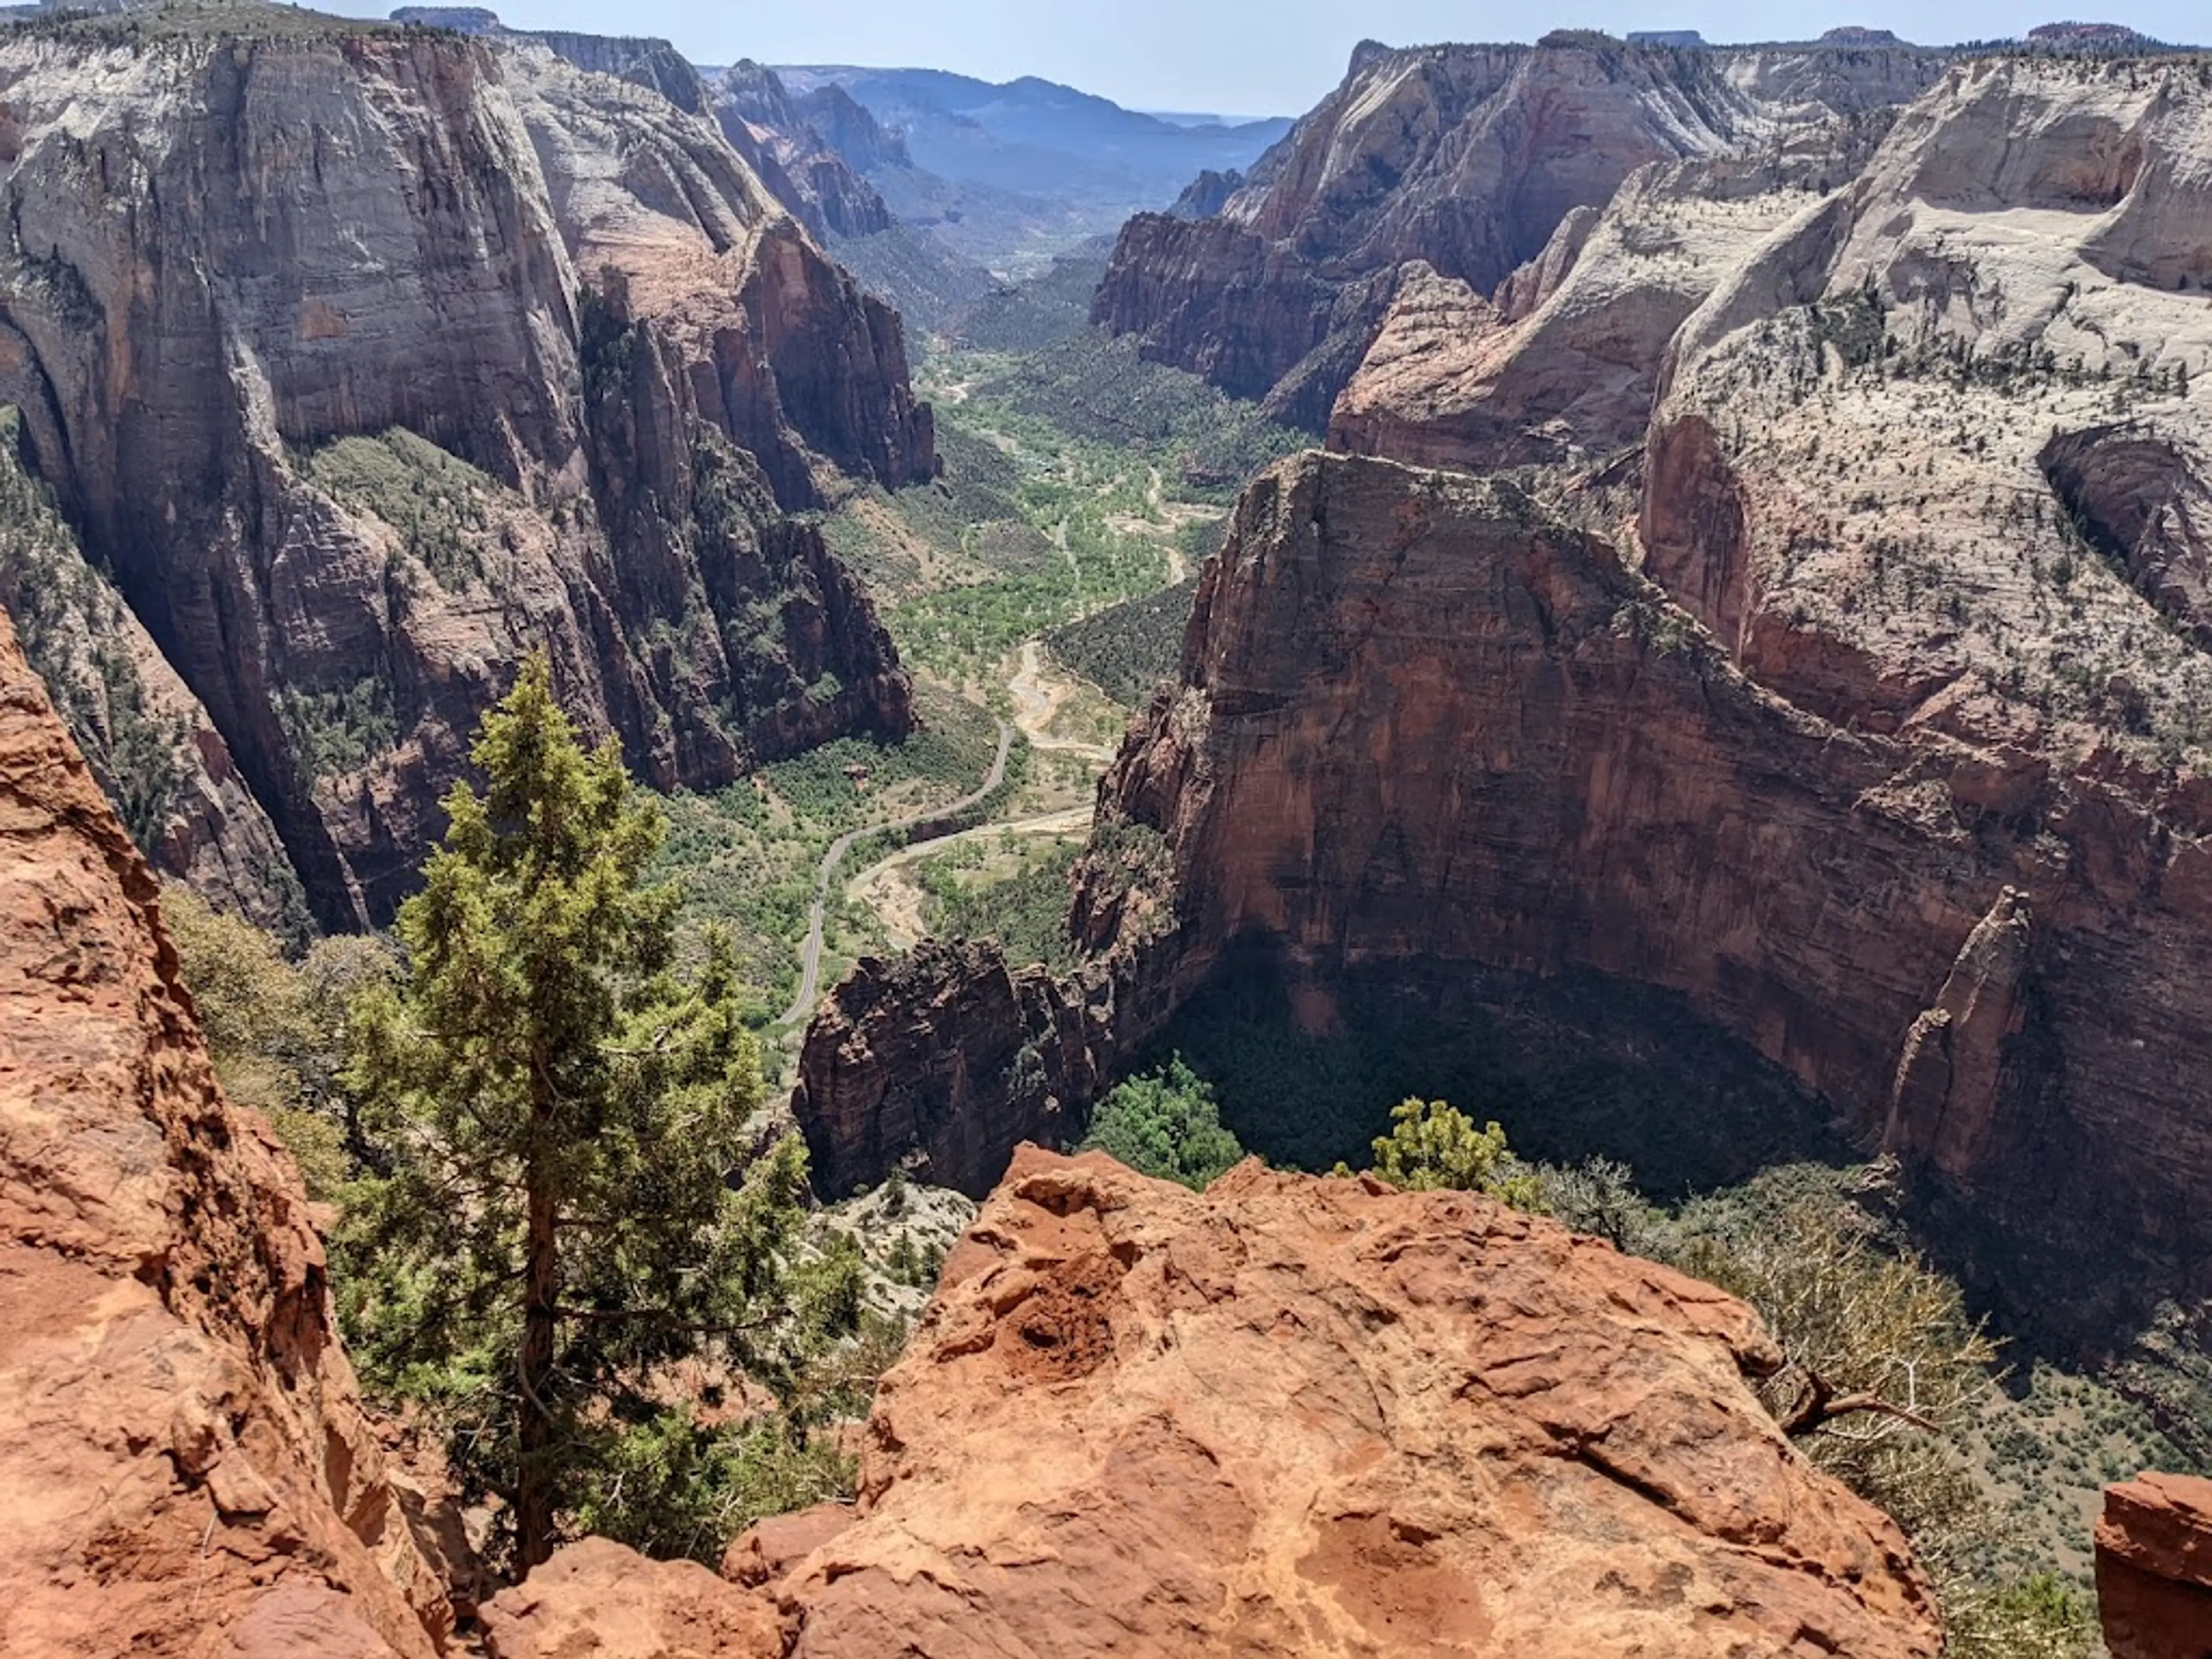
(1231,56)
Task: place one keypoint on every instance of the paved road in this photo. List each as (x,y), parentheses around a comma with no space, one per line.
(810,960)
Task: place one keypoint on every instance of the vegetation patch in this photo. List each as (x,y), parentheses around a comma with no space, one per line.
(440,508)
(1129,650)
(340,730)
(1012,890)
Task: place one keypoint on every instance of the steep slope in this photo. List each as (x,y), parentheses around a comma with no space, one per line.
(821,188)
(147,738)
(185,1466)
(1466,159)
(365,359)
(1292,1415)
(1832,665)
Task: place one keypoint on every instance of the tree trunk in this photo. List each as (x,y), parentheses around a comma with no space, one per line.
(534,1487)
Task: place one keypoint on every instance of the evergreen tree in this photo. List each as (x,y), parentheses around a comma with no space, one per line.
(571,1209)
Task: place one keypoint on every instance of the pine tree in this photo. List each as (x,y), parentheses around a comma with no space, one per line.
(571,1209)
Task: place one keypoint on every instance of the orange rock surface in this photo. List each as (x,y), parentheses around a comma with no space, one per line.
(185,1466)
(2154,1567)
(1298,1416)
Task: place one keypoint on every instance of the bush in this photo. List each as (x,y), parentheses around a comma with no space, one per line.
(1432,1146)
(673,1487)
(275,1031)
(1166,1124)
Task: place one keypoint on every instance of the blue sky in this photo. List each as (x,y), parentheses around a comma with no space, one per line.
(1238,56)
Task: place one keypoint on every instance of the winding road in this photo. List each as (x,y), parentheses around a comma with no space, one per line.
(810,960)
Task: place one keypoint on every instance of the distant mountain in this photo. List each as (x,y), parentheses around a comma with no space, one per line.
(1013,174)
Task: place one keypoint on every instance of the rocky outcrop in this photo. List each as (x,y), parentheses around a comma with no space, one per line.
(601,1599)
(1466,160)
(2148,504)
(1563,364)
(184,1464)
(391,354)
(2154,1568)
(1310,1416)
(808,172)
(880,1089)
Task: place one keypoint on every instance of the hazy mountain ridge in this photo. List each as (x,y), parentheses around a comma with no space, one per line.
(1011,174)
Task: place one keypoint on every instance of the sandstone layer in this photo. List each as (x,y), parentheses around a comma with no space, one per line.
(1466,160)
(366,358)
(1298,1415)
(2154,1568)
(185,1466)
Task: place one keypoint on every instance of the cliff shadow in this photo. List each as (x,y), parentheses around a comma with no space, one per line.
(1575,1066)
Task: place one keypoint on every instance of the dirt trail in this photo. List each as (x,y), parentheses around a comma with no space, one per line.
(810,960)
(1038,694)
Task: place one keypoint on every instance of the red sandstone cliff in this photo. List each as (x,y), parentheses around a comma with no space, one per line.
(1289,1415)
(185,1466)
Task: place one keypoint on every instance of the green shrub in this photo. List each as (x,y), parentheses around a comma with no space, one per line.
(1166,1124)
(670,1486)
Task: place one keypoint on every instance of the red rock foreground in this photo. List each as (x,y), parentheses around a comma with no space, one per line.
(2154,1568)
(1291,1416)
(185,1466)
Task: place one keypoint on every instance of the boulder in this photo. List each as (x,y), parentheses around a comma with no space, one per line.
(2154,1567)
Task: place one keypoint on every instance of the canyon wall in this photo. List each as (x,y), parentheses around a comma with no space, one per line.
(810,173)
(185,1463)
(1465,160)
(365,359)
(1795,615)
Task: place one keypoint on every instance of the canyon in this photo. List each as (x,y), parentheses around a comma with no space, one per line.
(1619,641)
(1071,1442)
(1743,634)
(356,359)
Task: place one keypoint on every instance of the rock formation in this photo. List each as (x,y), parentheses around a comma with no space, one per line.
(1466,160)
(819,184)
(894,1094)
(2154,1568)
(365,358)
(1294,1415)
(1830,659)
(184,1465)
